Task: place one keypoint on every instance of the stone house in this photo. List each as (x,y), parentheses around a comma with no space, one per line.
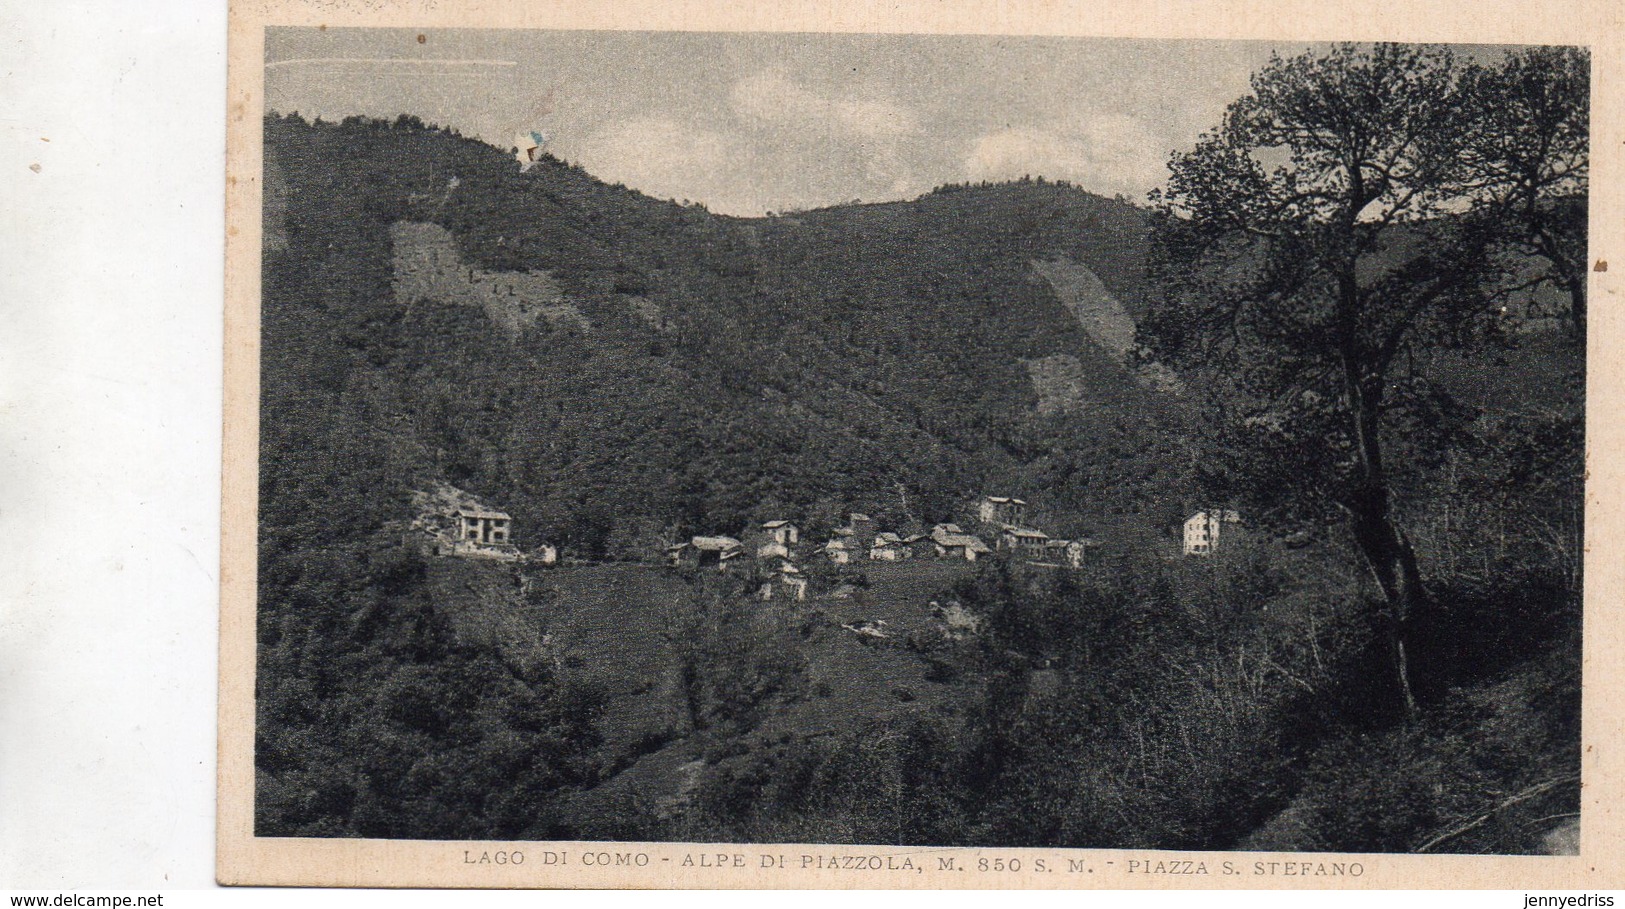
(478,533)
(483,527)
(889,547)
(951,545)
(792,582)
(838,551)
(1024,541)
(706,552)
(775,538)
(920,545)
(1001,510)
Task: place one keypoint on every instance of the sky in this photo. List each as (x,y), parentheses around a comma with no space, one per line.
(748,123)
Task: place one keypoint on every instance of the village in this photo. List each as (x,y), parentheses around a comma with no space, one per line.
(775,546)
(428,266)
(451,523)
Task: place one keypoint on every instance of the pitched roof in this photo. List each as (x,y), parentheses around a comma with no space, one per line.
(1004,500)
(887,538)
(772,524)
(716,544)
(950,528)
(954,540)
(1026,533)
(860,516)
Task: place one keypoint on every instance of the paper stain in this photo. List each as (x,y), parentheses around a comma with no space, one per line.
(1602,265)
(34,167)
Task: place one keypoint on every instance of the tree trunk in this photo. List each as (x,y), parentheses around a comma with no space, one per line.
(1393,562)
(1571,272)
(1385,546)
(1576,283)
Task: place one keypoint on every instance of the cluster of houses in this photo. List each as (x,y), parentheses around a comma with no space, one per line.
(771,548)
(772,544)
(1002,519)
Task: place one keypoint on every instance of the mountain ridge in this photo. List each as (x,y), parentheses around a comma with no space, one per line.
(697,370)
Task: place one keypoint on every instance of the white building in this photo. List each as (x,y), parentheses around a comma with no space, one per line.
(1202,530)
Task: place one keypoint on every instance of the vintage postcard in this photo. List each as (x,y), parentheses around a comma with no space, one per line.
(941,445)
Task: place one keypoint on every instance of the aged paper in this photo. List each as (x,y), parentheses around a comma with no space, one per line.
(704,445)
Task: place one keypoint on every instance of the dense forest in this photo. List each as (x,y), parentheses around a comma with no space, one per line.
(897,359)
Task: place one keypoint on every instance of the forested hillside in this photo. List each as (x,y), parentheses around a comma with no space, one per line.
(681,372)
(725,370)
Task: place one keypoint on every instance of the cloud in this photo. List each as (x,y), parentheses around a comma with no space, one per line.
(828,139)
(772,97)
(663,157)
(1108,153)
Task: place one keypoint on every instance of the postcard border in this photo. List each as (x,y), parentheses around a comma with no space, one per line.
(242,858)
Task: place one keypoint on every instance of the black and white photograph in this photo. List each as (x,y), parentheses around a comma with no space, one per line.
(921,440)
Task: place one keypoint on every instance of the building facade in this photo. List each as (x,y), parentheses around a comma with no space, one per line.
(1024,542)
(1204,529)
(1001,510)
